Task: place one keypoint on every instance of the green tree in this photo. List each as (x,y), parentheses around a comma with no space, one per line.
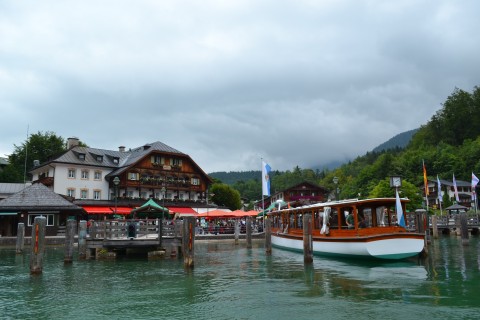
(408,190)
(39,146)
(224,195)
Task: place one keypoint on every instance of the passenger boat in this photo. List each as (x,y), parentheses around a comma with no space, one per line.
(366,228)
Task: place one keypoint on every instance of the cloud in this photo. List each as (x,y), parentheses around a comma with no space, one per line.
(228,82)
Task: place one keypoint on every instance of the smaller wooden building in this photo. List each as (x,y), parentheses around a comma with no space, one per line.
(37,200)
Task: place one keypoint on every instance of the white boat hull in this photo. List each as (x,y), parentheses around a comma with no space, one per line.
(390,248)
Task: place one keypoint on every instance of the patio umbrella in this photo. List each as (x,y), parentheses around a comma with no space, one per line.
(151,209)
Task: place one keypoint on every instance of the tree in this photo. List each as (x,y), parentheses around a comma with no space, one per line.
(224,195)
(39,146)
(408,190)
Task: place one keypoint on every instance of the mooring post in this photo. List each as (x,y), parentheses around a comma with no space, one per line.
(237,230)
(464,228)
(268,236)
(20,238)
(307,238)
(82,240)
(249,232)
(38,245)
(434,227)
(188,241)
(69,241)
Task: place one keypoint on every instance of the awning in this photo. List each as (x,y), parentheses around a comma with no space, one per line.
(182,210)
(107,210)
(8,213)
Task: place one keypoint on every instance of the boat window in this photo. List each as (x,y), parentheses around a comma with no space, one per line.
(365,218)
(291,221)
(334,218)
(316,220)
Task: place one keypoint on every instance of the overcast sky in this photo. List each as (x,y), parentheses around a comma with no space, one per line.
(301,82)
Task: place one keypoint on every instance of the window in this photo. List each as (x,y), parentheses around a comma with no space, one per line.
(85,174)
(99,158)
(96,194)
(116,160)
(130,194)
(83,194)
(97,175)
(195,181)
(176,162)
(50,219)
(157,160)
(71,192)
(133,176)
(71,173)
(81,156)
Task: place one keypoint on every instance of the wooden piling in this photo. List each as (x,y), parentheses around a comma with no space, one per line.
(464,228)
(268,236)
(434,227)
(249,232)
(307,238)
(20,238)
(38,245)
(82,240)
(188,241)
(237,230)
(69,241)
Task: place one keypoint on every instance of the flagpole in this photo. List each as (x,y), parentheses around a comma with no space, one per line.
(263,197)
(425,183)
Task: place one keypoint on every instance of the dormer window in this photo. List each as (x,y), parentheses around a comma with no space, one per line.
(81,156)
(99,158)
(116,160)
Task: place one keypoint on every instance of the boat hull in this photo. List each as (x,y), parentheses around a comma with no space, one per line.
(389,247)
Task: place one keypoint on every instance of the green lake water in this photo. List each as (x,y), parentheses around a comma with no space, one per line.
(232,282)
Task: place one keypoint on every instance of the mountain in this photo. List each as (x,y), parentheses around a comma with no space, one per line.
(231,177)
(401,140)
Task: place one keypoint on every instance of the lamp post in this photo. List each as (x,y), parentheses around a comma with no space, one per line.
(337,190)
(116,182)
(160,227)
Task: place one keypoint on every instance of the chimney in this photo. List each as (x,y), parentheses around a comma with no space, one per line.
(72,142)
(121,148)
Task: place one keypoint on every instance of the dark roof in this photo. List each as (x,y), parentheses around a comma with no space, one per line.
(460,183)
(36,197)
(125,158)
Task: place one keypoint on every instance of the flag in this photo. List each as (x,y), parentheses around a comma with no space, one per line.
(455,188)
(439,190)
(266,179)
(399,210)
(474,185)
(425,180)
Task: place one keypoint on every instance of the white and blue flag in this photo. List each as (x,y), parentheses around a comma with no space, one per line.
(266,178)
(399,210)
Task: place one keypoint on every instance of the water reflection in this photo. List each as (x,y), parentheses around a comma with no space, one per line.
(232,282)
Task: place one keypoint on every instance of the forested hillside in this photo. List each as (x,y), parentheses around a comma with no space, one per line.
(401,140)
(449,143)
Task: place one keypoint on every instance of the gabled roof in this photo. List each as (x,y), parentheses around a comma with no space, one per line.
(460,183)
(306,183)
(36,197)
(125,158)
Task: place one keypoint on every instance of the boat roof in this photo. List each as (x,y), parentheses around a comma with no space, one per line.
(357,202)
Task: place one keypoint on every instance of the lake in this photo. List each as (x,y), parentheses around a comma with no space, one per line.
(232,282)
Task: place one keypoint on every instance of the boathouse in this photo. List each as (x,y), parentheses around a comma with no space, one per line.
(37,200)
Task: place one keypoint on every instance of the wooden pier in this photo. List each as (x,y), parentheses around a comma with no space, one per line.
(105,238)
